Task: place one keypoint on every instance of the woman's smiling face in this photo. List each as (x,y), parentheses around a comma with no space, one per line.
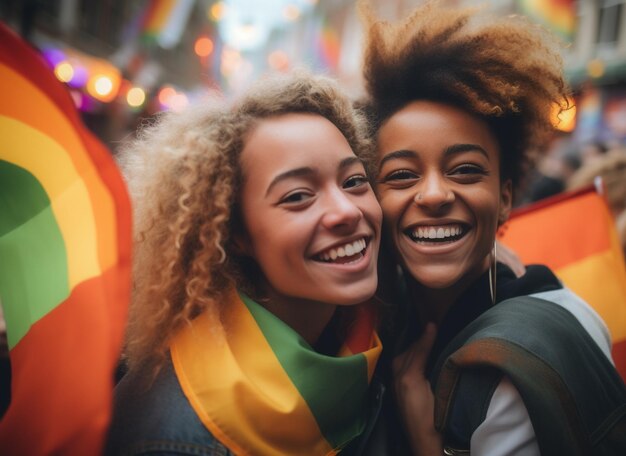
(311,219)
(439,187)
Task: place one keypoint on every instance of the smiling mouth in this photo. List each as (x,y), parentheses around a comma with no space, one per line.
(344,254)
(432,234)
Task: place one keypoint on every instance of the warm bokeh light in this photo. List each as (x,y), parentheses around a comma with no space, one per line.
(217,11)
(136,97)
(595,68)
(203,46)
(291,12)
(231,61)
(64,71)
(278,60)
(103,85)
(165,94)
(178,102)
(565,120)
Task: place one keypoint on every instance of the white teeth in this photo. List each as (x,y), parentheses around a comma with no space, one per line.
(440,232)
(349,249)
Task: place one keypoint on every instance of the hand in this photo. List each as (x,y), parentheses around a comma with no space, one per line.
(507,256)
(414,397)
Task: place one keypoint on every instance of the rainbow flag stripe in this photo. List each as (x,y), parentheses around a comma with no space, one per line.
(574,234)
(557,15)
(272,394)
(156,17)
(65,238)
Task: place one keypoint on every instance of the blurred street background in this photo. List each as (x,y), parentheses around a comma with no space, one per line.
(126,60)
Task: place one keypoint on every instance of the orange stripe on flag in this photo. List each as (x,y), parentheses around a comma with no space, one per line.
(561,232)
(574,234)
(79,361)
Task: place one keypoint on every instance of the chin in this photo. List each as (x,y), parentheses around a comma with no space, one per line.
(355,294)
(434,279)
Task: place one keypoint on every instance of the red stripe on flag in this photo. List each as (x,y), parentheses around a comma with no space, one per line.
(619,356)
(71,351)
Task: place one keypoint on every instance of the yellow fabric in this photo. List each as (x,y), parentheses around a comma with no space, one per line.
(256,411)
(69,198)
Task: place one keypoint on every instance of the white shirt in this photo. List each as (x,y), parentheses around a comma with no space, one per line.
(507,430)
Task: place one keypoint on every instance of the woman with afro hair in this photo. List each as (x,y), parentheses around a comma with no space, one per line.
(519,365)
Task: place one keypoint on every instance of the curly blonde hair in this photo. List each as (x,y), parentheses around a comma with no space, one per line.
(505,70)
(184,178)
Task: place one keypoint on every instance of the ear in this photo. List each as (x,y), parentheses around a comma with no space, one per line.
(506,201)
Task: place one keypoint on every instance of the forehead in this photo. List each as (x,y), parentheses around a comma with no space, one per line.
(422,125)
(292,140)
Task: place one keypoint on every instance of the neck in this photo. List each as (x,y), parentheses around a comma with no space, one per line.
(434,303)
(307,318)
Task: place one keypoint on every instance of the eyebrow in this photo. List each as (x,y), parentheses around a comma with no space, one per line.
(450,150)
(307,171)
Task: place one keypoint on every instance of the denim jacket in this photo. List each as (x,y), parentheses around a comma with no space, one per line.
(160,420)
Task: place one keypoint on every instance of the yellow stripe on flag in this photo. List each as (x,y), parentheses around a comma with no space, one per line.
(597,281)
(222,392)
(69,198)
(51,122)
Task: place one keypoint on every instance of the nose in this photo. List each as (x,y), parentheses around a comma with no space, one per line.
(340,211)
(434,193)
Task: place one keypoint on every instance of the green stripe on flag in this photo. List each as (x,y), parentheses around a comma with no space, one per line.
(311,373)
(33,260)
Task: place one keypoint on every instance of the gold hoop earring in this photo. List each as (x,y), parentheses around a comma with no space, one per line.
(492,273)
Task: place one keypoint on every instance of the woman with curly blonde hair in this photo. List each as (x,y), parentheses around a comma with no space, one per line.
(519,365)
(251,329)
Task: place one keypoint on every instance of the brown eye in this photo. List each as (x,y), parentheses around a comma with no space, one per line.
(296,197)
(400,175)
(469,169)
(355,181)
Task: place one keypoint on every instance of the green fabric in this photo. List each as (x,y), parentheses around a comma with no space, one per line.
(33,259)
(335,388)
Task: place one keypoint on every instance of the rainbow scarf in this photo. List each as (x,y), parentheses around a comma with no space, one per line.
(261,389)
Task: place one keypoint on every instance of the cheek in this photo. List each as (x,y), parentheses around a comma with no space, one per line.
(487,205)
(392,205)
(372,209)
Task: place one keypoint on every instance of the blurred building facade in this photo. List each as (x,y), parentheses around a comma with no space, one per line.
(161,54)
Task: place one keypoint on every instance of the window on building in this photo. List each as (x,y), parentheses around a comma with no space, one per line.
(610,12)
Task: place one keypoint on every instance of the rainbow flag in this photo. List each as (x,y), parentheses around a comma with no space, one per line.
(557,15)
(574,234)
(164,21)
(327,46)
(65,239)
(273,394)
